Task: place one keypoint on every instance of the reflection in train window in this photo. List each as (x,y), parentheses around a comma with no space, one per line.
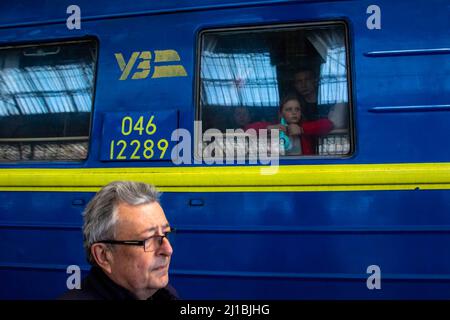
(46,100)
(293,79)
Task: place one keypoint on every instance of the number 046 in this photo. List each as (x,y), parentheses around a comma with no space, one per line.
(128,126)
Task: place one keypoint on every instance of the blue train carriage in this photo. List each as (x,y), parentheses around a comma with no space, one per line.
(145,91)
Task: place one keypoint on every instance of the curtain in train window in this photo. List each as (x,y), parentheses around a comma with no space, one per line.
(248,76)
(46,96)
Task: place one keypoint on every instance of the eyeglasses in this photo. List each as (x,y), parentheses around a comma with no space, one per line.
(150,244)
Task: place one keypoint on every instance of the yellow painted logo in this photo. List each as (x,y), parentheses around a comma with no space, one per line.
(143,62)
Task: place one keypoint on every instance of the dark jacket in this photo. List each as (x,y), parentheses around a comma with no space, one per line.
(98,286)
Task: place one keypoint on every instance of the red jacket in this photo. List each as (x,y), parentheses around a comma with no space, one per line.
(311,129)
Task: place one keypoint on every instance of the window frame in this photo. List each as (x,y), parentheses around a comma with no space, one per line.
(280,27)
(55,42)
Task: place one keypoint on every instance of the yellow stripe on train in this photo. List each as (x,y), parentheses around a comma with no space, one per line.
(405,176)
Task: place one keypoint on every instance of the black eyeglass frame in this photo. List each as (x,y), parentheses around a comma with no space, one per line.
(141,242)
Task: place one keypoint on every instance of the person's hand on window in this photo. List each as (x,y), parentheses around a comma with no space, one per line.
(277,127)
(294,129)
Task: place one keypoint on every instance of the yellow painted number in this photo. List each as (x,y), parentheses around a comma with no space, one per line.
(139,126)
(127,125)
(148,149)
(124,145)
(151,127)
(111,150)
(162,145)
(136,150)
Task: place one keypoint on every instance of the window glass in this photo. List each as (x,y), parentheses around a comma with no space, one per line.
(46,101)
(292,79)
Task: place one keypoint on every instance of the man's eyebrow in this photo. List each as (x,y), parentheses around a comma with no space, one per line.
(167,225)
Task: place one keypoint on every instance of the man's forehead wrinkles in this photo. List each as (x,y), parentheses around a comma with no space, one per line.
(156,228)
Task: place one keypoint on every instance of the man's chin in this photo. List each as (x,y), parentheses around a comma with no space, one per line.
(163,281)
(163,278)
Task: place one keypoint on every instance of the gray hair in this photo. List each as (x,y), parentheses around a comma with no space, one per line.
(100,215)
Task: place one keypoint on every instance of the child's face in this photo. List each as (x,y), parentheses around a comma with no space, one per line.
(291,111)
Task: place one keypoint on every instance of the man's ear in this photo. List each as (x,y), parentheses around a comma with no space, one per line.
(102,256)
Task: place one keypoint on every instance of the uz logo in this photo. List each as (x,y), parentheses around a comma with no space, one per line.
(161,68)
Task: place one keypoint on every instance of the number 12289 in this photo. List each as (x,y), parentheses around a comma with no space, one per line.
(119,149)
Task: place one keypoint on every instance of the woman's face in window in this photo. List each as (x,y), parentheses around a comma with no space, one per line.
(291,111)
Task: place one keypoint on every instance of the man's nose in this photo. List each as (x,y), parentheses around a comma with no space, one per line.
(165,248)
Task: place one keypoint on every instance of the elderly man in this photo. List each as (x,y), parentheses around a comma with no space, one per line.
(125,238)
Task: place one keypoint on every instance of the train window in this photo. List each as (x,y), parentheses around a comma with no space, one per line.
(46,95)
(292,78)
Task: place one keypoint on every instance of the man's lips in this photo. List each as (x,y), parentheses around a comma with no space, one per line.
(160,268)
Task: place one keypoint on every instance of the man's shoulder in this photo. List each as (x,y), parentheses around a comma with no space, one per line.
(165,294)
(78,294)
(97,286)
(94,286)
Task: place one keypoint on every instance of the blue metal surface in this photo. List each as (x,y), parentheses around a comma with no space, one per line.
(297,250)
(257,245)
